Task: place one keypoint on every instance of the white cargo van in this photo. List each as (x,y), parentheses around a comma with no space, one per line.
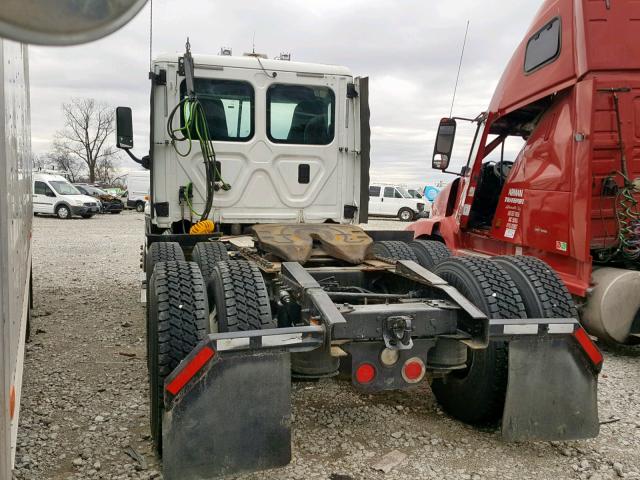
(386,200)
(53,194)
(137,190)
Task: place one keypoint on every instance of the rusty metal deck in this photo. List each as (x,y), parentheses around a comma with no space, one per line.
(297,243)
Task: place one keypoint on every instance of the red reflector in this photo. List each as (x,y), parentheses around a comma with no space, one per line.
(590,348)
(365,373)
(190,369)
(413,370)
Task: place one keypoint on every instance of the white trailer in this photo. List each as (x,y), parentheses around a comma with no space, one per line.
(46,23)
(15,228)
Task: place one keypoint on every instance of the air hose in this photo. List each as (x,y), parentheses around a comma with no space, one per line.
(628,220)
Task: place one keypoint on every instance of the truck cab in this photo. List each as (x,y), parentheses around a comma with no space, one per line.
(569,195)
(287,144)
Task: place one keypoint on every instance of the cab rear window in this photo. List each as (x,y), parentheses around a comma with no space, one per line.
(228,106)
(300,114)
(543,47)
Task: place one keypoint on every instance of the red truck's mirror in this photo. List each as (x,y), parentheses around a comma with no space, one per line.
(444,144)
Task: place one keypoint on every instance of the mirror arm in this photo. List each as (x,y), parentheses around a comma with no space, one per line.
(144,161)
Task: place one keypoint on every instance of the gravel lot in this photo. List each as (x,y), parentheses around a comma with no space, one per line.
(84,409)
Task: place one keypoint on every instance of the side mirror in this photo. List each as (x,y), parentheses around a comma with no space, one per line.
(64,22)
(124,128)
(444,144)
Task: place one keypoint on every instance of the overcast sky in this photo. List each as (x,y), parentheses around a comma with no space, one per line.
(409,48)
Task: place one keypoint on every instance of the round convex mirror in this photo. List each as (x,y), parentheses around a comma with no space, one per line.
(64,22)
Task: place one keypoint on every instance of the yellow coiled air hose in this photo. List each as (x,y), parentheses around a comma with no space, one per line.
(202,227)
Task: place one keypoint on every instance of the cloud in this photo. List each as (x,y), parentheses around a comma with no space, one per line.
(409,49)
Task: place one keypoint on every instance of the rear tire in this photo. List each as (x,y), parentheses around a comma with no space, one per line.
(406,215)
(430,252)
(207,255)
(140,207)
(161,252)
(394,250)
(543,292)
(476,394)
(178,320)
(240,297)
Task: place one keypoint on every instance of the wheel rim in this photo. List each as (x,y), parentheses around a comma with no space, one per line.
(405,215)
(140,208)
(63,212)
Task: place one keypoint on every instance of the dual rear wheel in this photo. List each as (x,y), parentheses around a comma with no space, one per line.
(189,300)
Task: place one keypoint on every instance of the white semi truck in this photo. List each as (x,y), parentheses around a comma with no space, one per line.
(41,22)
(256,270)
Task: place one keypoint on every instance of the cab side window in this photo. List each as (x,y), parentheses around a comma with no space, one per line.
(389,192)
(41,188)
(374,191)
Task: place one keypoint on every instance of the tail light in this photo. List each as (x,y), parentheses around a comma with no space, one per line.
(589,348)
(194,365)
(365,373)
(413,370)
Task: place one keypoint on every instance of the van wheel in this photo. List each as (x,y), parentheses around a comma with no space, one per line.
(406,215)
(63,212)
(476,394)
(140,207)
(178,313)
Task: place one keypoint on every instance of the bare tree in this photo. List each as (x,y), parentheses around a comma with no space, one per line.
(73,168)
(39,162)
(105,168)
(88,125)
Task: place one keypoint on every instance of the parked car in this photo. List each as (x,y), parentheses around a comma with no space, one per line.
(53,194)
(387,200)
(109,203)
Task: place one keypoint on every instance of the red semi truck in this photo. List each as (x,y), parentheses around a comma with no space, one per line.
(570,197)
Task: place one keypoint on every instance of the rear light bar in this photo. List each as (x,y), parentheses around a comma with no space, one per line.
(589,348)
(199,360)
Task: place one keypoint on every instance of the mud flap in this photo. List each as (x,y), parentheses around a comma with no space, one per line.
(552,391)
(236,417)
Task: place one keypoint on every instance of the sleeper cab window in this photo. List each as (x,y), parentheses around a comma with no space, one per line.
(228,107)
(300,114)
(543,47)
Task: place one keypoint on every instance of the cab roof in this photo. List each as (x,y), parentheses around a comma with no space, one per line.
(252,62)
(594,35)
